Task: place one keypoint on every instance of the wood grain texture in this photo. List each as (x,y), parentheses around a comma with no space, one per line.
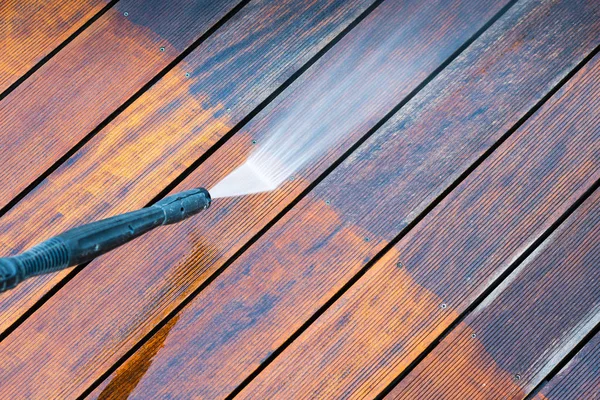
(528,324)
(173,124)
(30,30)
(383,322)
(89,79)
(121,298)
(279,282)
(580,379)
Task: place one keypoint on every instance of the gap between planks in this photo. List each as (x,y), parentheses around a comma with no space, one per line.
(15,200)
(568,358)
(52,53)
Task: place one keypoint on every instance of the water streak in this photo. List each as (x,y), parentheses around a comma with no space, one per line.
(332,102)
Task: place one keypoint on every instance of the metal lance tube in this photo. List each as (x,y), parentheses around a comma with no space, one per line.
(83,243)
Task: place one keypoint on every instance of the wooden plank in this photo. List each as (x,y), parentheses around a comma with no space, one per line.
(31,30)
(508,344)
(90,78)
(172,125)
(146,282)
(265,295)
(395,311)
(579,379)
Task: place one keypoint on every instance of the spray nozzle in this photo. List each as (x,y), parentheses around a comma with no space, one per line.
(183,205)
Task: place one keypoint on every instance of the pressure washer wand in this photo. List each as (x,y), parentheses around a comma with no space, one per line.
(83,243)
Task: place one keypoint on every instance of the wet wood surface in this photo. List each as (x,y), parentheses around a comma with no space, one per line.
(31,30)
(172,125)
(579,379)
(259,301)
(88,80)
(168,277)
(299,293)
(373,332)
(504,335)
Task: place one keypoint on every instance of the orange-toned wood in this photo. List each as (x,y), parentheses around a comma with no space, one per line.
(31,30)
(90,78)
(579,379)
(134,292)
(528,324)
(267,293)
(173,124)
(403,303)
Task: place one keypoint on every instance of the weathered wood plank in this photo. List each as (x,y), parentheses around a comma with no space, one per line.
(90,78)
(526,326)
(171,126)
(153,276)
(278,283)
(31,30)
(377,328)
(580,379)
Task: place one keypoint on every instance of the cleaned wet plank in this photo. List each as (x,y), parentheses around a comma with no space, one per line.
(90,78)
(173,124)
(30,30)
(377,328)
(525,327)
(580,379)
(115,301)
(279,282)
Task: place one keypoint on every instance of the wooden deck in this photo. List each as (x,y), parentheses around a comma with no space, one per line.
(447,248)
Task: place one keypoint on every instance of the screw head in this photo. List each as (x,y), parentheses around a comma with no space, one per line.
(399,264)
(254,142)
(126,14)
(327,202)
(473,335)
(162,49)
(367,239)
(443,305)
(187,74)
(518,377)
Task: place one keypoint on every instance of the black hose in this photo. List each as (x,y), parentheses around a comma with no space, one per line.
(83,243)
